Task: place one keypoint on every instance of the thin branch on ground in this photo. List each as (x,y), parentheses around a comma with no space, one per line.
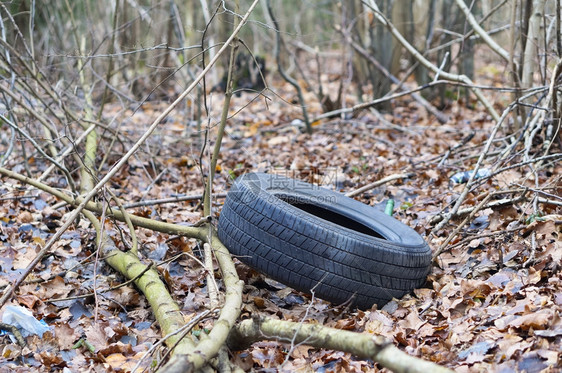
(485,235)
(181,331)
(461,212)
(473,174)
(456,231)
(162,201)
(378,183)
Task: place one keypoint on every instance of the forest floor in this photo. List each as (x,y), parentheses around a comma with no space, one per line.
(492,302)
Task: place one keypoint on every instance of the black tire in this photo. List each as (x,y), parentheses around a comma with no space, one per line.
(314,239)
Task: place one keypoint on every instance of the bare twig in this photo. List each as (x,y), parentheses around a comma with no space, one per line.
(69,149)
(212,288)
(170,200)
(468,185)
(456,78)
(365,105)
(8,292)
(462,143)
(499,203)
(442,66)
(558,10)
(181,331)
(484,235)
(134,241)
(290,80)
(229,313)
(379,183)
(549,201)
(470,34)
(123,284)
(442,118)
(461,225)
(40,150)
(483,34)
(220,133)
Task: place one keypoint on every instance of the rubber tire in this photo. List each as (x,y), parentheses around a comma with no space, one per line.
(316,240)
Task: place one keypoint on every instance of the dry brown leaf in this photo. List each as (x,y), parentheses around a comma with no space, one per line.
(55,288)
(25,217)
(66,335)
(537,320)
(96,336)
(51,360)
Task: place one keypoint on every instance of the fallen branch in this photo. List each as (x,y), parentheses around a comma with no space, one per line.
(166,311)
(209,347)
(147,280)
(362,106)
(8,292)
(479,235)
(549,202)
(362,345)
(191,357)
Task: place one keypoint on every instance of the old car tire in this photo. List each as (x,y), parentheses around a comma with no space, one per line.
(317,240)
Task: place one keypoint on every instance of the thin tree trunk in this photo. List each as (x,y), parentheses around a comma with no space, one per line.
(530,63)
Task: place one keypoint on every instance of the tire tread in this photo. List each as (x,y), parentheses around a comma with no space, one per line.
(296,248)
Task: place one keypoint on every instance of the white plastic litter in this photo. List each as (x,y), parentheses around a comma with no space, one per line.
(23,319)
(463,176)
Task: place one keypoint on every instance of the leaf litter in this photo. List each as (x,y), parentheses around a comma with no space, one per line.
(484,306)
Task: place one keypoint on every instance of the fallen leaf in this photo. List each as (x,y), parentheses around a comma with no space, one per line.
(537,320)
